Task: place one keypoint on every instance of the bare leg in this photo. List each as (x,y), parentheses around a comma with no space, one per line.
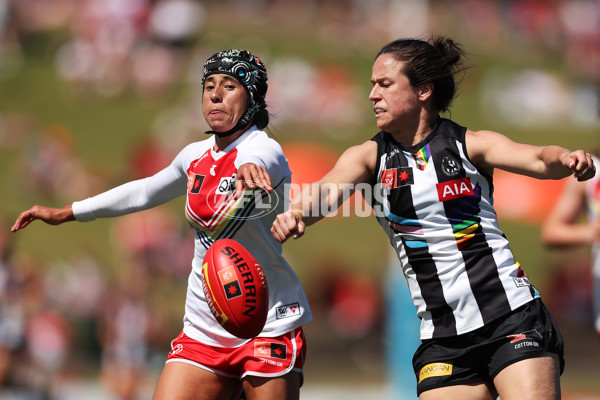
(285,387)
(182,381)
(475,391)
(530,379)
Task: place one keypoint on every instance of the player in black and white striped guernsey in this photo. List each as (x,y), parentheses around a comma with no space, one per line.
(485,331)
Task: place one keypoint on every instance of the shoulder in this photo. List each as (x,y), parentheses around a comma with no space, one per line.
(366,149)
(478,142)
(193,151)
(258,139)
(364,154)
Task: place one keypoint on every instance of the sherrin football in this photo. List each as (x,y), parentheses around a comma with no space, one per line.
(236,288)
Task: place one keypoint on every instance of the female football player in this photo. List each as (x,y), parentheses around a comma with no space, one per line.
(565,227)
(234,182)
(484,330)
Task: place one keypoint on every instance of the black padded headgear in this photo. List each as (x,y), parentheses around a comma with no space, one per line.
(246,69)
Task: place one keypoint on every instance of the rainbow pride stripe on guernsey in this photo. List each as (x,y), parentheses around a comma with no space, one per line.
(421,157)
(225,221)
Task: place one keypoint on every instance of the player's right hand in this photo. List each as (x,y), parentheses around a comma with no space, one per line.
(286,225)
(52,216)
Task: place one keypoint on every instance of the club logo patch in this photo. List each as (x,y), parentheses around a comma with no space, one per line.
(178,348)
(450,166)
(289,310)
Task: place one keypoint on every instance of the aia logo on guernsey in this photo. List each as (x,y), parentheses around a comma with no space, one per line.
(454,189)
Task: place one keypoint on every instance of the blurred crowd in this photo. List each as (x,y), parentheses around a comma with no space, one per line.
(151,47)
(59,321)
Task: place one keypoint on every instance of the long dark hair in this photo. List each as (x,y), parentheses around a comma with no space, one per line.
(435,61)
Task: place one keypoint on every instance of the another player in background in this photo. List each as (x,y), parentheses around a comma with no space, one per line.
(484,329)
(230,180)
(565,226)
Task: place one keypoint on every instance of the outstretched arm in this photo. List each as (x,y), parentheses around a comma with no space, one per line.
(130,197)
(355,165)
(489,150)
(562,226)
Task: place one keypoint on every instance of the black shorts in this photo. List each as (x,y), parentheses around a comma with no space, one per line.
(478,356)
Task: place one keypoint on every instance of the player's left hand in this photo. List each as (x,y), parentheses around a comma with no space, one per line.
(581,164)
(251,176)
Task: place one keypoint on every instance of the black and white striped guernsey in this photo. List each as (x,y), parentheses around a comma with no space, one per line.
(436,208)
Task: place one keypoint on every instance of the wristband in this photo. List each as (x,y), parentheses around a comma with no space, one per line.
(298,213)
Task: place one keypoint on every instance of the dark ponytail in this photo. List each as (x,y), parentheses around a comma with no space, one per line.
(261,119)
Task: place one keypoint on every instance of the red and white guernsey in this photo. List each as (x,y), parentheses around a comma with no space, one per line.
(593,208)
(208,180)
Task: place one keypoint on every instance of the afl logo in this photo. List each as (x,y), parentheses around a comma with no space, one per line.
(450,166)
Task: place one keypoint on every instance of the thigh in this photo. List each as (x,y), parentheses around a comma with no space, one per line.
(183,381)
(286,387)
(472,391)
(596,299)
(530,379)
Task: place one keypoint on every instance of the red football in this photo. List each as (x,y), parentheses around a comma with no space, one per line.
(236,288)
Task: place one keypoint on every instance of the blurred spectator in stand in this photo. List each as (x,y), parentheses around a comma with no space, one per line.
(581,22)
(148,157)
(48,340)
(10,47)
(155,239)
(173,26)
(53,170)
(127,328)
(12,318)
(335,97)
(39,362)
(104,35)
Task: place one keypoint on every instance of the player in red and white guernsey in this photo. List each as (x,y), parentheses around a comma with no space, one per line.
(234,182)
(484,329)
(565,227)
